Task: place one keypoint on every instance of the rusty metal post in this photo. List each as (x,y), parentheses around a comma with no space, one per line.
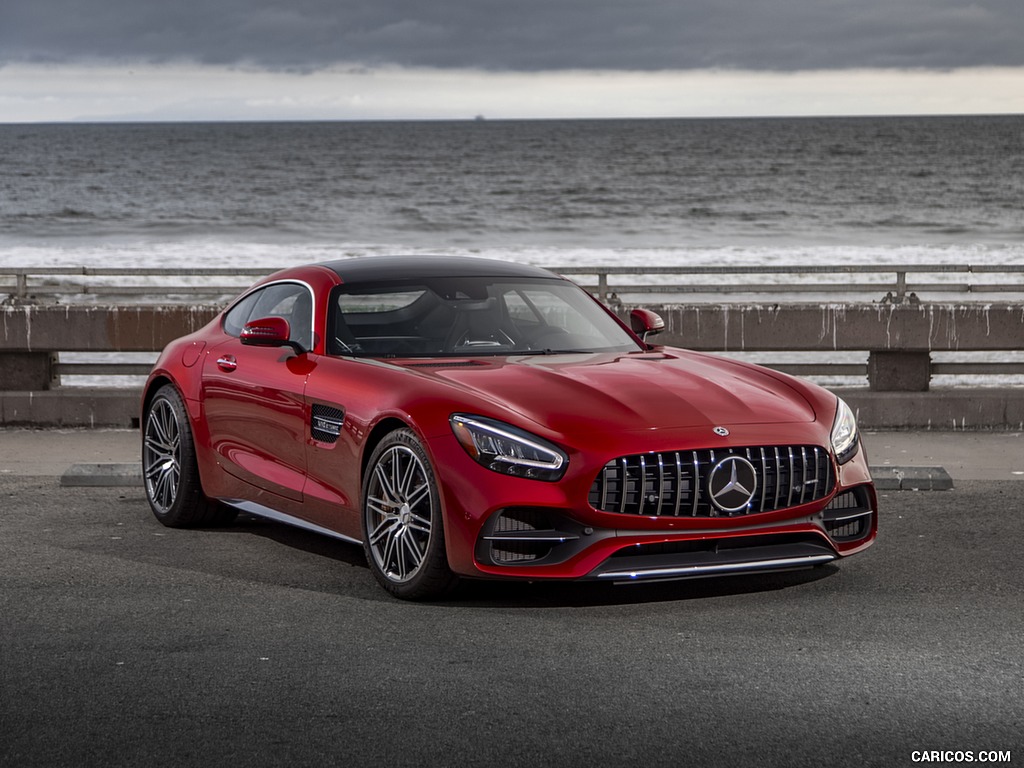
(28,371)
(901,286)
(899,371)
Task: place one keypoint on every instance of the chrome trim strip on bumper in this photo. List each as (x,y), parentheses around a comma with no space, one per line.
(844,518)
(700,570)
(525,536)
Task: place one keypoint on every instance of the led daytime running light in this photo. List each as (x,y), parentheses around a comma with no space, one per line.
(507,450)
(844,437)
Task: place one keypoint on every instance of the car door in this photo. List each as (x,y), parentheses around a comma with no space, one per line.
(253,397)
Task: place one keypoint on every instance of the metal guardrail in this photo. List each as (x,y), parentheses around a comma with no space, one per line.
(852,370)
(23,284)
(102,369)
(874,282)
(891,282)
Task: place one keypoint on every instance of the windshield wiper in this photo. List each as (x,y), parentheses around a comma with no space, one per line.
(550,351)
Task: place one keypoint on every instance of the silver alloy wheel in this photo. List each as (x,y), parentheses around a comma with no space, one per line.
(399,511)
(161,455)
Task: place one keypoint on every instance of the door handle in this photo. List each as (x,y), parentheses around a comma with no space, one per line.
(227,363)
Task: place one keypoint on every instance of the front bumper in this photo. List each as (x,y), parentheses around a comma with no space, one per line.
(758,554)
(506,527)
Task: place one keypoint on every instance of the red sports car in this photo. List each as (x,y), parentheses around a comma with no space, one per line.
(472,418)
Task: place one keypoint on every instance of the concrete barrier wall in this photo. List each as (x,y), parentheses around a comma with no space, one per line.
(83,328)
(725,327)
(883,327)
(898,338)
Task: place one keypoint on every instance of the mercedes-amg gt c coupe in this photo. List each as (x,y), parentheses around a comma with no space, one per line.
(471,418)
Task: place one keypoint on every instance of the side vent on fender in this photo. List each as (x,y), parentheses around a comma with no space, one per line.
(326,423)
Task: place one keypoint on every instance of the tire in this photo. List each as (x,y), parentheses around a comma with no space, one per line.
(169,468)
(403,530)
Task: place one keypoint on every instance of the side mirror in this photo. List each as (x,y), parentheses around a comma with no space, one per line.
(645,323)
(269,332)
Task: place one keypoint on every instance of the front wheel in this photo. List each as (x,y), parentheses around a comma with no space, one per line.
(403,531)
(169,466)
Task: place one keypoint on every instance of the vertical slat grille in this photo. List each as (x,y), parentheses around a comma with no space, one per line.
(676,483)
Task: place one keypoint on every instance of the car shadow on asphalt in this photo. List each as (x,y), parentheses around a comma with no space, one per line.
(483,593)
(297,538)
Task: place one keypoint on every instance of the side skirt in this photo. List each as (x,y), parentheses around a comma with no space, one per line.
(258,510)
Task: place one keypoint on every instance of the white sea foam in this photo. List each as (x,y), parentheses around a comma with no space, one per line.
(216,252)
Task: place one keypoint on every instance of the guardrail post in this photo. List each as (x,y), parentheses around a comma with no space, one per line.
(901,286)
(899,371)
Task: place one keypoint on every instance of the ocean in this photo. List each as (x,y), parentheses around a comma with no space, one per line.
(552,193)
(781,192)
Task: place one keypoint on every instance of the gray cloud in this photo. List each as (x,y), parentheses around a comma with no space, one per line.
(525,35)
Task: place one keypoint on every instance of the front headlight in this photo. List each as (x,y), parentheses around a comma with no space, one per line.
(845,440)
(509,450)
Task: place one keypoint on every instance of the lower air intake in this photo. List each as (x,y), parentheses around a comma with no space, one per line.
(849,515)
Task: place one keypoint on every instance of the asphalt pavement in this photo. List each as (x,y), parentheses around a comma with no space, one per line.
(123,643)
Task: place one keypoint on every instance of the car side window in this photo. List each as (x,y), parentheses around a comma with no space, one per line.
(239,315)
(291,301)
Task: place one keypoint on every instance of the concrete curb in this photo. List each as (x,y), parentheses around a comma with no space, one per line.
(103,475)
(911,479)
(886,478)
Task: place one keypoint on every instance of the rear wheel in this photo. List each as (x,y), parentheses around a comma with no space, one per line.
(169,466)
(403,531)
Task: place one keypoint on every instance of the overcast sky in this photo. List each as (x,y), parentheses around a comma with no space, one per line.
(240,59)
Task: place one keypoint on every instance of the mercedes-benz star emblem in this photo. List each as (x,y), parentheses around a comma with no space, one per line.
(732,483)
(721,431)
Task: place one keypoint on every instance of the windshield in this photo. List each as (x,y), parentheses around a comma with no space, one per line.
(461,316)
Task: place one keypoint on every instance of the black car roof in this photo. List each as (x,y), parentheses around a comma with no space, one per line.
(375,268)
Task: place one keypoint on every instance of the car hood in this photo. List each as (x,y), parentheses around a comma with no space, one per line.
(673,389)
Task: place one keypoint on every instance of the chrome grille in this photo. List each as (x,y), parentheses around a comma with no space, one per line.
(675,483)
